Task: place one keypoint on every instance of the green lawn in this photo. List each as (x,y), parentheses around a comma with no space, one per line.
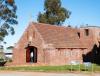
(53,68)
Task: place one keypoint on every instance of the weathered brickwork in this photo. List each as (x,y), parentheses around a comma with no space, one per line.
(55,45)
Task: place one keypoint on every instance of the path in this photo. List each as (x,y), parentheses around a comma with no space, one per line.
(11,73)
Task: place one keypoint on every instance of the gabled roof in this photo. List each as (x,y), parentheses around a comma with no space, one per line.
(59,36)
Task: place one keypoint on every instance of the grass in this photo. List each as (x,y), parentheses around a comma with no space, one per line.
(64,68)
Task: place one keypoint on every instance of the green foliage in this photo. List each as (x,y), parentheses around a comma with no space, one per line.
(1,47)
(7,18)
(2,60)
(53,13)
(10,47)
(8,59)
(64,68)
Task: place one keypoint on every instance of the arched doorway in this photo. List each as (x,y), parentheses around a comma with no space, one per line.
(31,54)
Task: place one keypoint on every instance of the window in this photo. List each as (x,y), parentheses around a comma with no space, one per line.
(78,33)
(86,32)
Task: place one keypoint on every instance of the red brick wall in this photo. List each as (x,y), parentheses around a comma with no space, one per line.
(50,55)
(63,56)
(88,41)
(19,52)
(92,39)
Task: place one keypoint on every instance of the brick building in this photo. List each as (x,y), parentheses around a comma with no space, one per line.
(44,44)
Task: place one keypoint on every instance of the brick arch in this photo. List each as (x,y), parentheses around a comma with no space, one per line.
(31,54)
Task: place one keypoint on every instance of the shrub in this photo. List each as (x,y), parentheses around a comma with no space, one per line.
(2,61)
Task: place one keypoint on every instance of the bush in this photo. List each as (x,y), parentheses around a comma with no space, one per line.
(2,61)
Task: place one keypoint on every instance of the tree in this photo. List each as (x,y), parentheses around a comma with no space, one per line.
(53,13)
(8,18)
(10,47)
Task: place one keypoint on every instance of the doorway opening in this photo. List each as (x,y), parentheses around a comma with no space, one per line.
(31,54)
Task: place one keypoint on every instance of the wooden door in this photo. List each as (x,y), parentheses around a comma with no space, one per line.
(27,55)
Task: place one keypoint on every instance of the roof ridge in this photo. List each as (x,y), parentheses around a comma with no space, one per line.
(51,25)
